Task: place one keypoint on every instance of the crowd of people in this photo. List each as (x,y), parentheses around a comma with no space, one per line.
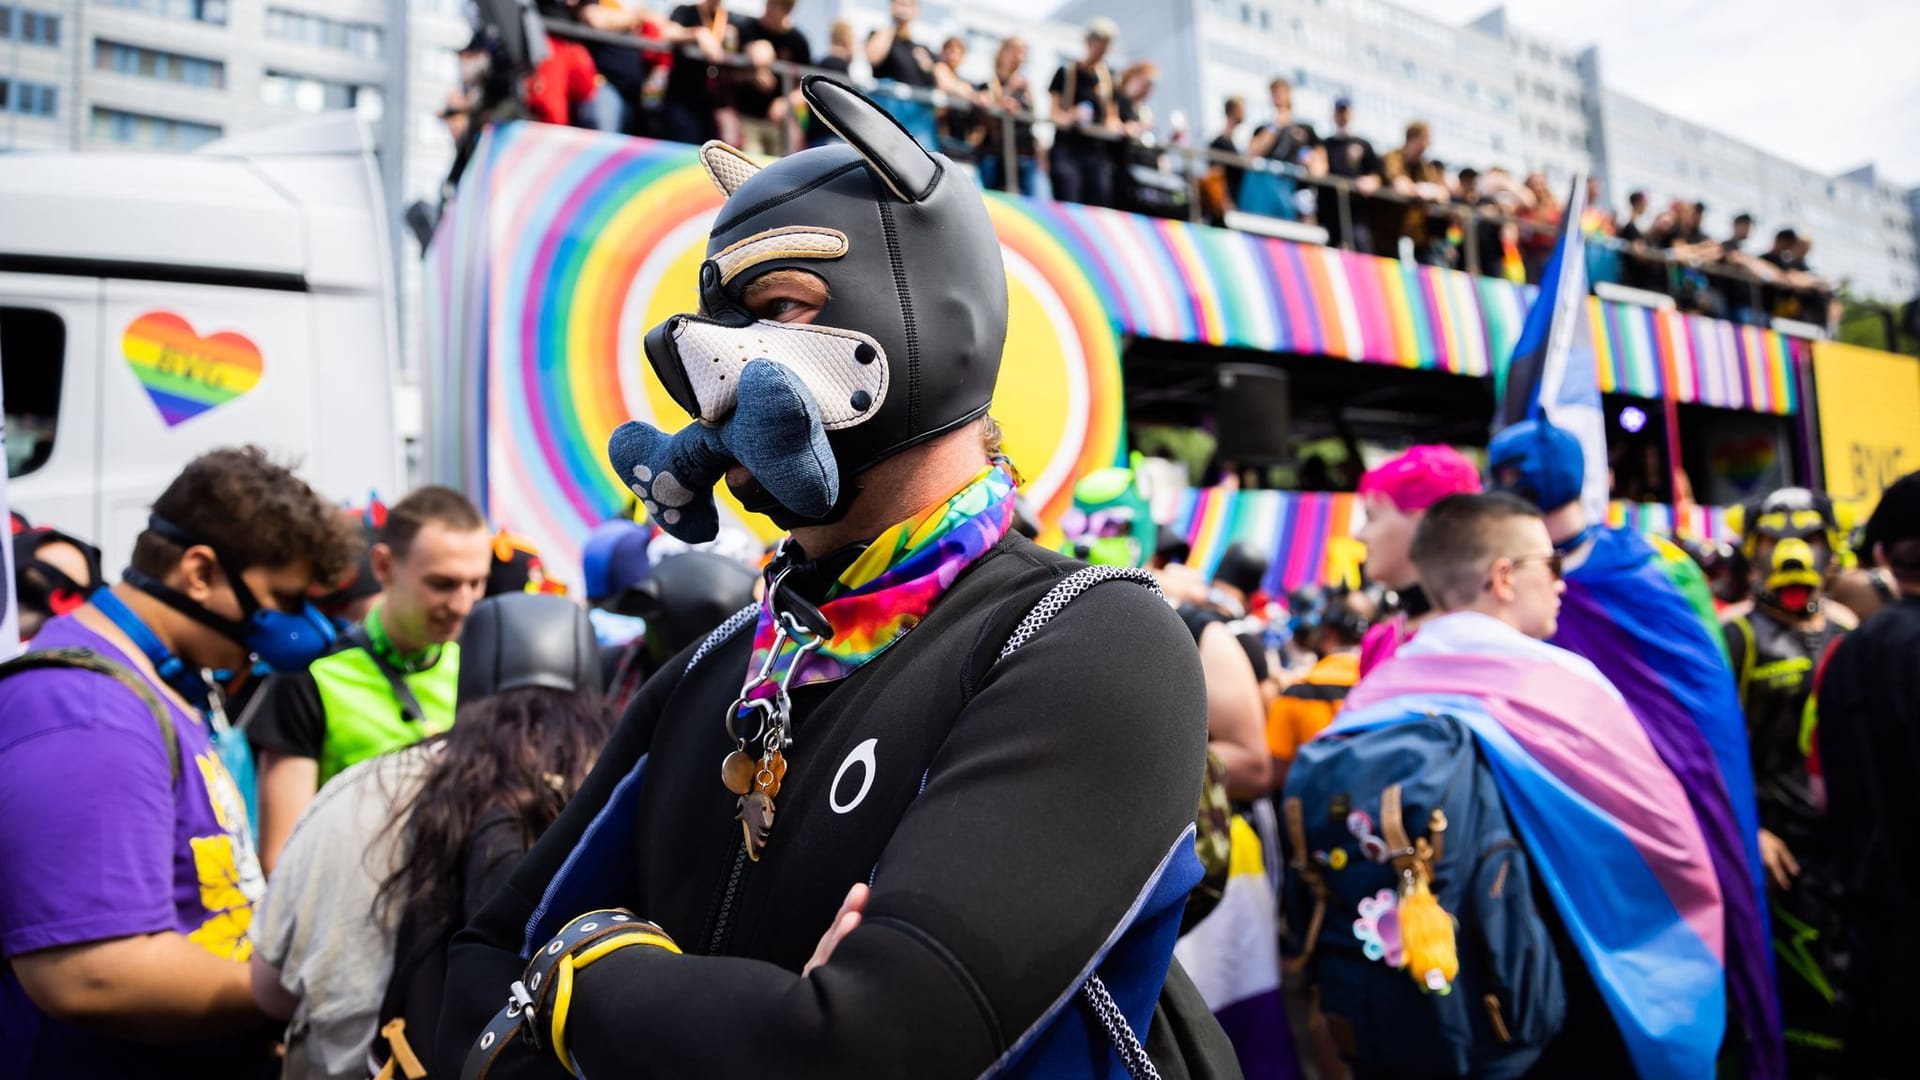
(1707,703)
(437,697)
(1105,148)
(372,793)
(1406,203)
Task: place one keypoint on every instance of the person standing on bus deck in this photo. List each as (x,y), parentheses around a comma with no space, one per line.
(894,831)
(1081,164)
(127,871)
(393,679)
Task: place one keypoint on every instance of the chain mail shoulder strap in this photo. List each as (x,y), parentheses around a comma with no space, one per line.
(1093,992)
(1064,592)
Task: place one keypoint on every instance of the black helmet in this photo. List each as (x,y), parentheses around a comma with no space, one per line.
(520,639)
(1243,567)
(685,598)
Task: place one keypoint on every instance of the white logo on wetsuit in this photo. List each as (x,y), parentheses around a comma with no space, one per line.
(862,755)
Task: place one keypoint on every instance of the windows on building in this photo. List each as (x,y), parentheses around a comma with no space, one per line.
(360,39)
(206,11)
(28,26)
(308,94)
(154,64)
(29,98)
(152,132)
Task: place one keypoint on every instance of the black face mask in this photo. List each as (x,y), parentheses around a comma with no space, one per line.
(283,641)
(44,588)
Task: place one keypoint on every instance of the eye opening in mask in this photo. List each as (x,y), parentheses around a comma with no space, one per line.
(805,291)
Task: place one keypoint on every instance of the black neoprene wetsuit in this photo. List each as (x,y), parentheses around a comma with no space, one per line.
(1013,819)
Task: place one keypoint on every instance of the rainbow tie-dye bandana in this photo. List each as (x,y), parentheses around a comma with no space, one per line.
(895,582)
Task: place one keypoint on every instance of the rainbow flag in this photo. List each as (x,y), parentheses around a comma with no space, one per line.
(1593,803)
(1624,612)
(1306,535)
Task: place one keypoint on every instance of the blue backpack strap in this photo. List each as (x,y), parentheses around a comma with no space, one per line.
(79,659)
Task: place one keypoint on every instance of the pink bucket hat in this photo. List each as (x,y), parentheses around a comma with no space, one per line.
(1422,476)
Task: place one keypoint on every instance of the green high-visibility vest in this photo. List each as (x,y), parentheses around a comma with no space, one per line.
(364,719)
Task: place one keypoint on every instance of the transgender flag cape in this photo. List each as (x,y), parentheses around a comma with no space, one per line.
(1608,829)
(1624,612)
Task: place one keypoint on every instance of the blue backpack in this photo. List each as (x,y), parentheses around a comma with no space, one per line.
(1368,815)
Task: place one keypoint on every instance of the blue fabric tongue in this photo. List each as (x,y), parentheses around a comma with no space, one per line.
(774,430)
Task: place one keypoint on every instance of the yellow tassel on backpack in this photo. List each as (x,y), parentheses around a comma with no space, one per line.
(1426,937)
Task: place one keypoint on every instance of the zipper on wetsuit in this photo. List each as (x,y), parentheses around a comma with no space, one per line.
(727,897)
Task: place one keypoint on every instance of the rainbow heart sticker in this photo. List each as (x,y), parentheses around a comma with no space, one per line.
(184,373)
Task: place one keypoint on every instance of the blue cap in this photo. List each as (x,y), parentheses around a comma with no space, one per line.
(1342,103)
(614,559)
(1537,461)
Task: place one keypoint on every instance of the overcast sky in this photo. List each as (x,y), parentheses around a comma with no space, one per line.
(1831,84)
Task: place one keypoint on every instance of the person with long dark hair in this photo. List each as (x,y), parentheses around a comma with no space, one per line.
(398,852)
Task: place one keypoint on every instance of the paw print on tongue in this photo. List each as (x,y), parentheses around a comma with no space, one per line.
(662,495)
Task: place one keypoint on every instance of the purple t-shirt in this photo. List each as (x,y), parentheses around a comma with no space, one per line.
(95,844)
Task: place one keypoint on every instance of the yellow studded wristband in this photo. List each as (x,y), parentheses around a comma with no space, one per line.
(538,1003)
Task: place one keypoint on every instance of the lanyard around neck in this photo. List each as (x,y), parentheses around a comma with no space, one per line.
(384,647)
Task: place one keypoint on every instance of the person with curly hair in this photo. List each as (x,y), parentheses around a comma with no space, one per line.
(127,868)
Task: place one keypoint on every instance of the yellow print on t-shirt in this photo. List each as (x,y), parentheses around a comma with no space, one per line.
(225,866)
(229,912)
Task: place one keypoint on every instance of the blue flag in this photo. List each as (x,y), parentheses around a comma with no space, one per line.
(1552,374)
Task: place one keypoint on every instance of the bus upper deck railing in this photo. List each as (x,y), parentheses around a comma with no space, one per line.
(1715,287)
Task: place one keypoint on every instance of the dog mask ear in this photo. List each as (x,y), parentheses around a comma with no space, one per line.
(726,167)
(901,161)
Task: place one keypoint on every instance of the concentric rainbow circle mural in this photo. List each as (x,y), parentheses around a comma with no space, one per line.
(564,246)
(592,240)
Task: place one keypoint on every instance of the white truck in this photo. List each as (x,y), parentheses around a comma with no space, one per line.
(155,306)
